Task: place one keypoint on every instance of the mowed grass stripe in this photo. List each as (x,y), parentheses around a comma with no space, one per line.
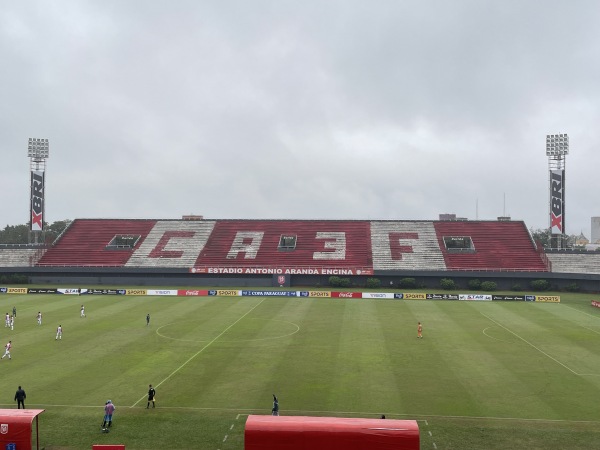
(479,379)
(207,345)
(305,372)
(558,336)
(560,387)
(363,360)
(244,361)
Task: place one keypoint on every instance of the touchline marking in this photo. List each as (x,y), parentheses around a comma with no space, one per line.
(587,314)
(202,349)
(529,343)
(309,412)
(582,312)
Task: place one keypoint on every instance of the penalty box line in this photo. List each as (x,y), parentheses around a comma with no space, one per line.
(201,350)
(530,344)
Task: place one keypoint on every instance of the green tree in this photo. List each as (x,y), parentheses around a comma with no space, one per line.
(19,234)
(542,235)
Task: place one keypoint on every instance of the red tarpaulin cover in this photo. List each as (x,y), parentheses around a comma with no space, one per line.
(331,433)
(15,427)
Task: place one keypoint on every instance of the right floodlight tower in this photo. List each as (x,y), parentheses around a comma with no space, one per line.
(557,148)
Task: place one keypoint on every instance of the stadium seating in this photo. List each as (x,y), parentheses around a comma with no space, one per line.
(588,262)
(19,257)
(85,243)
(172,243)
(255,243)
(499,246)
(321,244)
(406,245)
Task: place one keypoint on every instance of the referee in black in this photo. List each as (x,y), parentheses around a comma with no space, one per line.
(151,396)
(20,397)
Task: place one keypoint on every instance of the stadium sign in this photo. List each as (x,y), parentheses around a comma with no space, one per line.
(41,291)
(90,291)
(319,294)
(346,294)
(557,201)
(548,298)
(192,292)
(283,270)
(68,291)
(520,298)
(37,200)
(268,293)
(442,296)
(17,291)
(225,293)
(377,295)
(161,292)
(136,292)
(475,297)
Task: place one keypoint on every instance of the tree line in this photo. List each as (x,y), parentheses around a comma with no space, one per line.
(19,234)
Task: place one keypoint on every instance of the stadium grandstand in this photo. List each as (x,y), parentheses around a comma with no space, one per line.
(294,253)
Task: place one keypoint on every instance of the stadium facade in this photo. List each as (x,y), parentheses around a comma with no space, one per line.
(288,253)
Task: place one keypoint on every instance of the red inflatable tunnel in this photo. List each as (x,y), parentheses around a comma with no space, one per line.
(331,433)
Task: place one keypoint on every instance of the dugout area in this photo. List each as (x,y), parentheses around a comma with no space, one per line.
(16,427)
(331,433)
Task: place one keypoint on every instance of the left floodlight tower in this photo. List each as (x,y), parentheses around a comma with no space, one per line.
(38,151)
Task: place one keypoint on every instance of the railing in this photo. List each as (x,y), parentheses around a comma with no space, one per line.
(22,246)
(540,249)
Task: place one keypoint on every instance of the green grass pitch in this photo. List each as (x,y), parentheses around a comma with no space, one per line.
(486,375)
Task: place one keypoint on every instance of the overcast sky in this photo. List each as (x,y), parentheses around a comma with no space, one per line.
(300,109)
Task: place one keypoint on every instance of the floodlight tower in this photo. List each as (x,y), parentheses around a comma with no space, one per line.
(38,152)
(557,148)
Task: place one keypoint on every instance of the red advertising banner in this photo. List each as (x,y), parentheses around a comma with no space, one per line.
(346,294)
(192,293)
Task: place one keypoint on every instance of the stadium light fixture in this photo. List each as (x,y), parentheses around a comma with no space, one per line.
(557,145)
(38,149)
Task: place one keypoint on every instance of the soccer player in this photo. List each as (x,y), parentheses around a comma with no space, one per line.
(39,318)
(82,311)
(7,350)
(275,410)
(109,409)
(59,333)
(147,319)
(7,320)
(12,322)
(151,396)
(419,331)
(14,311)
